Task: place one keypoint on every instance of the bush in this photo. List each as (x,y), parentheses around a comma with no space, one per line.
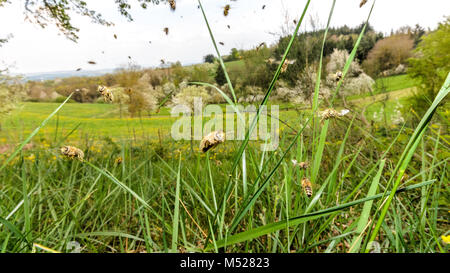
(220,76)
(431,62)
(337,62)
(187,94)
(388,54)
(209,58)
(256,70)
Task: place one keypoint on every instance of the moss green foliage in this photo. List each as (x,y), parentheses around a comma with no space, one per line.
(431,62)
(220,76)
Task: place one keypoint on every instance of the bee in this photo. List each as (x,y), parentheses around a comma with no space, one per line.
(270,60)
(338,76)
(78,69)
(307,188)
(91,62)
(115,36)
(363,2)
(286,64)
(404,178)
(260,45)
(106,93)
(212,140)
(162,61)
(72,152)
(284,67)
(166,30)
(264,6)
(119,160)
(226,9)
(228,26)
(172,4)
(295,22)
(331,113)
(129,57)
(221,43)
(303,165)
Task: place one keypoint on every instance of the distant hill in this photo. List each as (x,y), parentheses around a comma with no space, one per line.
(64,74)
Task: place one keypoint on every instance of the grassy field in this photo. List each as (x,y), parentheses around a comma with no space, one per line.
(378,186)
(162,188)
(103,120)
(393,83)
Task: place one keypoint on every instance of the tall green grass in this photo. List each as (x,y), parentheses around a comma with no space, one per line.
(235,198)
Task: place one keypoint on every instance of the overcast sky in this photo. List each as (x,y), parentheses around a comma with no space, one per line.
(33,49)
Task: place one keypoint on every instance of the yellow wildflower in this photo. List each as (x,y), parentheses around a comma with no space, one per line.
(119,160)
(31,158)
(446,239)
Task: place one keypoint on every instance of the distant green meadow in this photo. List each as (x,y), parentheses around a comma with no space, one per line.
(76,120)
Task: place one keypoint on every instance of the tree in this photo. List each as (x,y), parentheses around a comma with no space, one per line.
(11,91)
(220,76)
(305,50)
(136,102)
(234,55)
(58,13)
(187,97)
(209,58)
(368,41)
(256,69)
(388,53)
(431,61)
(417,33)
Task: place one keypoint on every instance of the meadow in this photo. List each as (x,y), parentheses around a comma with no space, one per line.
(378,186)
(100,120)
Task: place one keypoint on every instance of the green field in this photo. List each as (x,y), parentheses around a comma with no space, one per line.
(393,83)
(103,120)
(77,120)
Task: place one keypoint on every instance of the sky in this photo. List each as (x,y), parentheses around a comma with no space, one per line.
(33,49)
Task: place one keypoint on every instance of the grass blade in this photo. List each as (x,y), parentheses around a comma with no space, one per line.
(364,218)
(176,213)
(408,153)
(269,228)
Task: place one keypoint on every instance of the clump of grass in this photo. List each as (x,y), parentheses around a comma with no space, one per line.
(171,200)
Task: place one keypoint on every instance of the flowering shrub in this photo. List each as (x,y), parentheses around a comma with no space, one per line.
(10,95)
(337,62)
(187,94)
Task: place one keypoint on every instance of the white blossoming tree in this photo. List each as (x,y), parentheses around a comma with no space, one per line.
(11,91)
